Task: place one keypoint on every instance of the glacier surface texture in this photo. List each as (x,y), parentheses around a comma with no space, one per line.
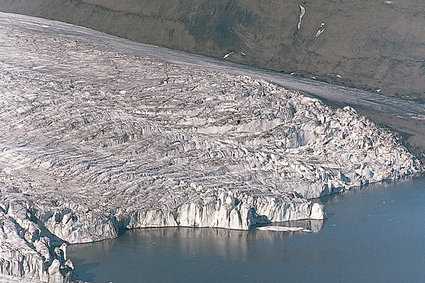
(95,140)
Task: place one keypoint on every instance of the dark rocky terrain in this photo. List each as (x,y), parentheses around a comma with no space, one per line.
(370,44)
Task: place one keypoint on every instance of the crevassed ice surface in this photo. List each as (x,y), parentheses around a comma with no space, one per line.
(95,140)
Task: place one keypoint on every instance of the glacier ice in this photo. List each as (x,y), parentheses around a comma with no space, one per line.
(96,140)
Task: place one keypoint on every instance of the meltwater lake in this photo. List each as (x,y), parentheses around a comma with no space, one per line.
(376,234)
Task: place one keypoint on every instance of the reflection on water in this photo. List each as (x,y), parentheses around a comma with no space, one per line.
(377,234)
(228,244)
(190,243)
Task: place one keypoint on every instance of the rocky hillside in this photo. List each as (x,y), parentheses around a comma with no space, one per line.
(371,44)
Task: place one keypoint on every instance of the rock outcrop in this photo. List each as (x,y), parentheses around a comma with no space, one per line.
(95,141)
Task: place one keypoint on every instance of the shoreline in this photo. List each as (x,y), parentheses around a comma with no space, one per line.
(379,215)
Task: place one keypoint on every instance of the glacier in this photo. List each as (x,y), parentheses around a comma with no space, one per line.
(95,141)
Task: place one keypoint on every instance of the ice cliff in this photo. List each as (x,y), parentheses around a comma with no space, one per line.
(94,141)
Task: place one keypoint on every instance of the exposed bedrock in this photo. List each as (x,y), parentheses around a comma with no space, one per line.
(372,44)
(94,141)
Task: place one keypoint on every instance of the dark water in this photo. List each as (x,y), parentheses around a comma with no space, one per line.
(373,235)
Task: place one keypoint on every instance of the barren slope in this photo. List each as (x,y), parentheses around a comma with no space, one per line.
(372,44)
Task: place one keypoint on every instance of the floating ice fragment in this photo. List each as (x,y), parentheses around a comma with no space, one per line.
(283,229)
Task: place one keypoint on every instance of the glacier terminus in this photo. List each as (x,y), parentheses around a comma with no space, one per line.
(95,140)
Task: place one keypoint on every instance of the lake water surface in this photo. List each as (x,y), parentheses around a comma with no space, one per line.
(372,235)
